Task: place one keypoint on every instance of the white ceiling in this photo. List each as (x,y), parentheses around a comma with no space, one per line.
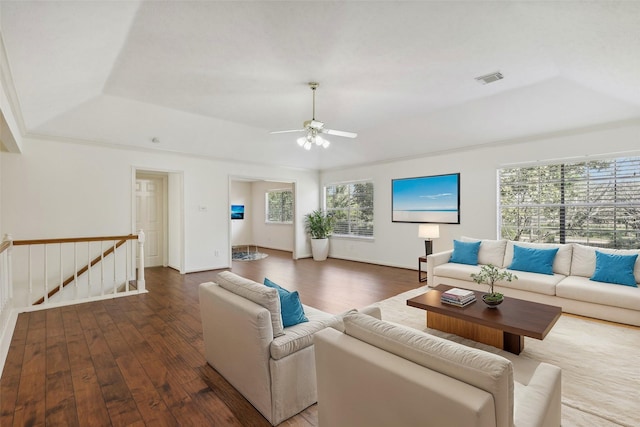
(212,78)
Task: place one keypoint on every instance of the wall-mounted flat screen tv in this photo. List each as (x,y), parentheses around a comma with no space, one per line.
(426,199)
(237,211)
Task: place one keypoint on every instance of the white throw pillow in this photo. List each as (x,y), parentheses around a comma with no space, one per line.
(256,292)
(491,251)
(561,263)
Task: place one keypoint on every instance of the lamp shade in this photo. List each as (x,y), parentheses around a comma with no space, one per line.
(429,231)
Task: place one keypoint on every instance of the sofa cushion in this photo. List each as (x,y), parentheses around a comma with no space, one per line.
(583,289)
(300,336)
(534,282)
(561,263)
(455,271)
(584,260)
(256,292)
(491,251)
(533,260)
(484,370)
(290,305)
(616,269)
(465,252)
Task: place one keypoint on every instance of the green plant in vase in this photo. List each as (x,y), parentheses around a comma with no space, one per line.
(490,274)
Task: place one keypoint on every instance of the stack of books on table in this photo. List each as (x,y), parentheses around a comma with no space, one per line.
(459,297)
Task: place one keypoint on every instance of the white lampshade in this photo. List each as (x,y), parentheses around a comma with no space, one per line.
(429,231)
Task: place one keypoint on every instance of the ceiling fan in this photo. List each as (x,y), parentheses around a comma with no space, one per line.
(314,128)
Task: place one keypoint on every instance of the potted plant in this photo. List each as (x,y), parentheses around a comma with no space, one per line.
(490,274)
(319,225)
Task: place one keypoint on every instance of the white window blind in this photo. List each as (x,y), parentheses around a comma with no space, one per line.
(595,203)
(279,206)
(351,204)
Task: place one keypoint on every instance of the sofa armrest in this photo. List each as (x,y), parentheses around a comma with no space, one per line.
(538,404)
(237,334)
(435,260)
(372,310)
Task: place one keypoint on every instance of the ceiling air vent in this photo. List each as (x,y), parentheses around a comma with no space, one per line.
(490,78)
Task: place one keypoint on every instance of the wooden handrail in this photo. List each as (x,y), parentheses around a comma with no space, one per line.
(73,239)
(85,268)
(4,246)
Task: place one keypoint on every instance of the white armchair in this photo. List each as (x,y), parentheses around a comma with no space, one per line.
(276,374)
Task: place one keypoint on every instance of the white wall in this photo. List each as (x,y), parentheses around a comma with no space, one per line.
(397,244)
(57,189)
(274,236)
(241,229)
(174,222)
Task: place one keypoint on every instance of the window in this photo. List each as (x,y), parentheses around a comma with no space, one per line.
(352,206)
(279,206)
(595,203)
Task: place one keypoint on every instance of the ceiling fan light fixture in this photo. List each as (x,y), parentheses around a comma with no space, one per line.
(314,128)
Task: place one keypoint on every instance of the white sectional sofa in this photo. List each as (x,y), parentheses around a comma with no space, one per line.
(380,374)
(569,287)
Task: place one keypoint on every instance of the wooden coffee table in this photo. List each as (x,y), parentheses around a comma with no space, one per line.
(504,327)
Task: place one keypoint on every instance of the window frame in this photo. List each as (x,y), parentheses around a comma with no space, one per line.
(267,208)
(351,184)
(592,201)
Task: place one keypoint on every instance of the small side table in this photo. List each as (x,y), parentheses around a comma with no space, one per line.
(422,277)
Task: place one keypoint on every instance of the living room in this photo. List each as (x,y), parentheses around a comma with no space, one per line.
(67,169)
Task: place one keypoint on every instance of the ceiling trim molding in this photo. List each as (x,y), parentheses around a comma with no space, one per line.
(500,143)
(115,146)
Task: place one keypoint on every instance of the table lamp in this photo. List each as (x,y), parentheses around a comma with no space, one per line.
(428,232)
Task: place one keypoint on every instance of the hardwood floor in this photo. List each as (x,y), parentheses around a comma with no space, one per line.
(139,360)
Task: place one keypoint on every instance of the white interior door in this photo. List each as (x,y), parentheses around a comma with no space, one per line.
(149,218)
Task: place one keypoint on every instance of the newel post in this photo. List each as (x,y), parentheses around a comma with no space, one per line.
(140,280)
(8,238)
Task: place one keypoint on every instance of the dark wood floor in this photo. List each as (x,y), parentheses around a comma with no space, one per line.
(139,360)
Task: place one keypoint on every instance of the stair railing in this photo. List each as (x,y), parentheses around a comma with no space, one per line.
(71,270)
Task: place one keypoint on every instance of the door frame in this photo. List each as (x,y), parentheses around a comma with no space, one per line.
(177,206)
(294,184)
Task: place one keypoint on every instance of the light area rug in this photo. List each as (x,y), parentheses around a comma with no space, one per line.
(600,363)
(248,256)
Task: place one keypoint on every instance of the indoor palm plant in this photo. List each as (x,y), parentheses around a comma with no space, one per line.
(490,274)
(319,225)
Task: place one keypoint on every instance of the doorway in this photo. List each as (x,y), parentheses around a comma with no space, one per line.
(255,228)
(150,216)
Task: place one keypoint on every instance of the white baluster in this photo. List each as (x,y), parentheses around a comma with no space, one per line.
(46,275)
(30,277)
(75,268)
(141,283)
(89,267)
(61,271)
(101,267)
(126,264)
(115,285)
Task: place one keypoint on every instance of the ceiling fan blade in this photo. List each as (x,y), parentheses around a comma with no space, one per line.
(286,131)
(339,133)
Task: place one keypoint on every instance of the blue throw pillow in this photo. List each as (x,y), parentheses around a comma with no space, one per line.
(290,305)
(465,252)
(533,260)
(617,269)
